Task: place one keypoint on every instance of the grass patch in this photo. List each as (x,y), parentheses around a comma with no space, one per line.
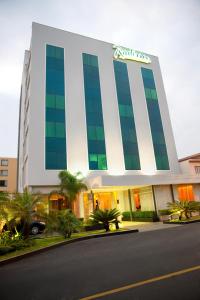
(45,241)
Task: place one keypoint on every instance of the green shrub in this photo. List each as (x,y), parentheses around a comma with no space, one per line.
(16,241)
(140,215)
(144,214)
(64,222)
(5,238)
(6,249)
(10,242)
(164,212)
(20,244)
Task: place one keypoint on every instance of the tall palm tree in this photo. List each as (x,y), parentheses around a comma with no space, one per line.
(22,208)
(71,185)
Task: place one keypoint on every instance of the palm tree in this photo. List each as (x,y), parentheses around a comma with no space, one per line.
(184,208)
(71,185)
(105,217)
(22,209)
(6,217)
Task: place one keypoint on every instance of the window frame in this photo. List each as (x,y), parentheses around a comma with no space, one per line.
(6,183)
(1,172)
(2,164)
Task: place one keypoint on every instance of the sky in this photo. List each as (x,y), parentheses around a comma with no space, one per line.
(167,29)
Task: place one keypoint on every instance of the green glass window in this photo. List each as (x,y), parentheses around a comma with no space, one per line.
(94,115)
(98,161)
(160,149)
(127,122)
(125,110)
(95,133)
(55,140)
(50,129)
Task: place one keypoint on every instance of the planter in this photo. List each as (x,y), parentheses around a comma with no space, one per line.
(182,222)
(94,227)
(165,218)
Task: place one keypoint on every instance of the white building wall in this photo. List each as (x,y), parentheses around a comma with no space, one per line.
(77,153)
(167,127)
(122,204)
(196,189)
(185,167)
(146,199)
(23,138)
(163,195)
(126,201)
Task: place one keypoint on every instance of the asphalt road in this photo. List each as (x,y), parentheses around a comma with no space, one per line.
(89,267)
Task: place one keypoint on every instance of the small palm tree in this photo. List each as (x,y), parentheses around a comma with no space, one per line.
(184,208)
(105,217)
(63,221)
(71,185)
(22,209)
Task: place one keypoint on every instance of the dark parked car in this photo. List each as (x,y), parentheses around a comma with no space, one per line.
(35,227)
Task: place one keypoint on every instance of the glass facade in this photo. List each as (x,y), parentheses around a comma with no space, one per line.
(157,132)
(128,131)
(55,133)
(94,115)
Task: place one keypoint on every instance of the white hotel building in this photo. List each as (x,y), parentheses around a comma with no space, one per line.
(90,106)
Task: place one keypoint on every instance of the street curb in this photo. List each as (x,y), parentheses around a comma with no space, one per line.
(34,252)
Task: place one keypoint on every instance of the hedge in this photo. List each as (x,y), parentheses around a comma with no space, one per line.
(164,212)
(147,216)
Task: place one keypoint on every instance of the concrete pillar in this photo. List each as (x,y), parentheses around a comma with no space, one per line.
(81,205)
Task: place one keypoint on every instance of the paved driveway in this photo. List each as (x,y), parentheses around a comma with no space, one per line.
(147,226)
(89,267)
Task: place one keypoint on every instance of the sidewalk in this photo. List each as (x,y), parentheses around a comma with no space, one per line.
(147,226)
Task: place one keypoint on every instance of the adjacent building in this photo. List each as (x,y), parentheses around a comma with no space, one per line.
(91,106)
(8,174)
(190,164)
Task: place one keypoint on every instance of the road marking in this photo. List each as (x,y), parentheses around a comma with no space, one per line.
(136,284)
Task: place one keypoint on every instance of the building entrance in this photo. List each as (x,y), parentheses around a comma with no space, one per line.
(92,201)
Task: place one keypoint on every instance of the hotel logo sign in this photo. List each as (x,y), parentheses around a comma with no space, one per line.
(130,54)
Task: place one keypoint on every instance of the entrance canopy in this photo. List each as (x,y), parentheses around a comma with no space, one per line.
(103,181)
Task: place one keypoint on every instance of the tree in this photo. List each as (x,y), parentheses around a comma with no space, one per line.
(71,185)
(63,221)
(184,208)
(105,217)
(22,209)
(6,216)
(4,196)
